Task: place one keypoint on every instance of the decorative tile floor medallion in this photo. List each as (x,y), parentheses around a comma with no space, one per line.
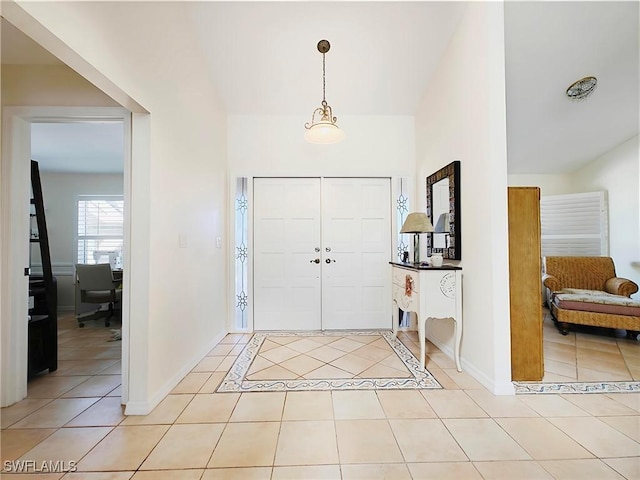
(331,360)
(576,387)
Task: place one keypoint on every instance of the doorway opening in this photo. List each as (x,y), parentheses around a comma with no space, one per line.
(61,190)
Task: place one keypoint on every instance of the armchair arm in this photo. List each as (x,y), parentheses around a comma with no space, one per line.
(621,286)
(551,282)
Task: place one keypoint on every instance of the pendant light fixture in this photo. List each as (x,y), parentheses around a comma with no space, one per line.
(323,128)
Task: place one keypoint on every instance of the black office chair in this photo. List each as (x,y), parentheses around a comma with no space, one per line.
(96,286)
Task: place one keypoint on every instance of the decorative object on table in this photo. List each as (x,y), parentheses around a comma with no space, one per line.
(436,260)
(416,223)
(408,285)
(443,208)
(581,89)
(323,128)
(405,257)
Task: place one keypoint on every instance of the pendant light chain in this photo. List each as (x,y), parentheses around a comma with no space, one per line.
(324,99)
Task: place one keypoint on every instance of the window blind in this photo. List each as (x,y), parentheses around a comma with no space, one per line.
(575,224)
(100,231)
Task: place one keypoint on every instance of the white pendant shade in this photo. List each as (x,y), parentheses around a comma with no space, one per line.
(324,132)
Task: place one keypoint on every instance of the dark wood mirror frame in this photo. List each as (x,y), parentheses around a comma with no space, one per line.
(452,172)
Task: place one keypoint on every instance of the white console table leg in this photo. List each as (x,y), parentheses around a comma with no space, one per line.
(395,318)
(421,335)
(456,344)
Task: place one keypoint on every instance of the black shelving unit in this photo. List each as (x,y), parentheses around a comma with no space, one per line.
(43,317)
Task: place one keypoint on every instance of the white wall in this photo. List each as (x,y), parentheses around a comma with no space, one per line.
(49,85)
(552,184)
(456,122)
(374,145)
(178,295)
(618,173)
(60,191)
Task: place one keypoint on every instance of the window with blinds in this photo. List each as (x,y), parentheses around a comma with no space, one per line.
(575,224)
(100,231)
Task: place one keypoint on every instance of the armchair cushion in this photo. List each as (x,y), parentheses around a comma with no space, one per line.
(595,301)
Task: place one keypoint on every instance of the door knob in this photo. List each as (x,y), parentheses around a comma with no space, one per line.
(329,260)
(328,249)
(317,249)
(317,260)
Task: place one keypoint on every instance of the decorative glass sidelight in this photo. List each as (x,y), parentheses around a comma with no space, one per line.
(241,254)
(402,210)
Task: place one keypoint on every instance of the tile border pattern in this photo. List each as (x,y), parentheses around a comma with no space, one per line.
(235,380)
(576,387)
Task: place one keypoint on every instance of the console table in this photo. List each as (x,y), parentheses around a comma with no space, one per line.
(430,292)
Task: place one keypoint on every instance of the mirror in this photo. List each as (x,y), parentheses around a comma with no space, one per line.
(443,209)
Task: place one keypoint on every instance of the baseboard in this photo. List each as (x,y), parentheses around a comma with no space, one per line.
(137,408)
(144,408)
(502,388)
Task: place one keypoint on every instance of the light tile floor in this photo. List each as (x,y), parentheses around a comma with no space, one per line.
(588,354)
(325,357)
(459,432)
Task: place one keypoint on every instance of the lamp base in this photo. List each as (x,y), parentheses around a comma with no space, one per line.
(416,248)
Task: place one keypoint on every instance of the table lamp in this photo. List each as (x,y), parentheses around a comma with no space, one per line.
(416,223)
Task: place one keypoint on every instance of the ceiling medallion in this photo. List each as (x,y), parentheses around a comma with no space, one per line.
(581,89)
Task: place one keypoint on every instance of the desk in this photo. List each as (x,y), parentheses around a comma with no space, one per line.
(430,292)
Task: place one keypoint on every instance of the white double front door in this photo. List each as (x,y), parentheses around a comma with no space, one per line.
(321,253)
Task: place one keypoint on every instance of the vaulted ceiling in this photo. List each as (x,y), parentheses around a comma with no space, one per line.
(262,59)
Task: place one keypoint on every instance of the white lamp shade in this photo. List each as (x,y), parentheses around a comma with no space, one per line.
(324,133)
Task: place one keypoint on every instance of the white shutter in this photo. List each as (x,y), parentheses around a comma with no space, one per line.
(100,229)
(575,224)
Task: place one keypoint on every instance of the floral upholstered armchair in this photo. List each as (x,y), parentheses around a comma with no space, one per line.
(586,291)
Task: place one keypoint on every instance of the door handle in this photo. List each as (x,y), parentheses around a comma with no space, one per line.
(329,260)
(317,260)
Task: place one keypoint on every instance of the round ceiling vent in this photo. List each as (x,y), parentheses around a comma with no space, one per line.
(581,89)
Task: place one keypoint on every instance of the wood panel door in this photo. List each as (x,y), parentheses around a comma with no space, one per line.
(525,285)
